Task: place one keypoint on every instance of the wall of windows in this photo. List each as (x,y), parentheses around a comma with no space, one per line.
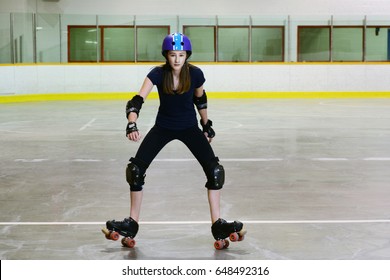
(236,44)
(349,39)
(340,43)
(61,38)
(115,43)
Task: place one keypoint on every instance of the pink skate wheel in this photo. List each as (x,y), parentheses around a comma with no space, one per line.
(219,244)
(128,242)
(114,236)
(234,237)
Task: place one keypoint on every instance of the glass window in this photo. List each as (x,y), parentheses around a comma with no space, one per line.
(378,43)
(313,44)
(149,43)
(36,37)
(48,38)
(267,44)
(5,39)
(203,42)
(23,42)
(347,44)
(118,44)
(84,44)
(233,44)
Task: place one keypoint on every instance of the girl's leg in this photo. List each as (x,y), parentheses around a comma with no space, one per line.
(195,140)
(154,141)
(135,204)
(152,144)
(214,197)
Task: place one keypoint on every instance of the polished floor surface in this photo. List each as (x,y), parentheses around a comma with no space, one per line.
(309,177)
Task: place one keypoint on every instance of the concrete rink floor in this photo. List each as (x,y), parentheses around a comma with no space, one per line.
(309,177)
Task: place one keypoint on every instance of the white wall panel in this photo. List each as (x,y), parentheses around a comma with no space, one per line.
(7,84)
(90,78)
(26,79)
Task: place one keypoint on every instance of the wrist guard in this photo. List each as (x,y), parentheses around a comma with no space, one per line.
(208,129)
(131,127)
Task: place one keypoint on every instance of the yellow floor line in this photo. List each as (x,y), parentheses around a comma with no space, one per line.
(153,95)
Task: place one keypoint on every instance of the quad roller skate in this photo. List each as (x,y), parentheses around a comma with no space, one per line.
(127,228)
(222,230)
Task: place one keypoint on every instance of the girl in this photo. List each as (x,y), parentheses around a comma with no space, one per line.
(180,86)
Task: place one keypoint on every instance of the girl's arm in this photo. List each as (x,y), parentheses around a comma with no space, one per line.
(203,111)
(200,100)
(132,132)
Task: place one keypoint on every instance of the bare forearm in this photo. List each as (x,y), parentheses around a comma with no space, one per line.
(132,117)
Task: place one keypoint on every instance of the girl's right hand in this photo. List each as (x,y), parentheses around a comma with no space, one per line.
(132,132)
(134,136)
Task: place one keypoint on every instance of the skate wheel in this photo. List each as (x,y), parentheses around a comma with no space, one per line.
(128,242)
(234,237)
(114,235)
(106,233)
(241,235)
(221,244)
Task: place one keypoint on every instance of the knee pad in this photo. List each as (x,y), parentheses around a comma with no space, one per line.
(135,177)
(215,177)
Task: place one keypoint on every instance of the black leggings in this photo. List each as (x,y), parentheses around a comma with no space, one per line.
(193,138)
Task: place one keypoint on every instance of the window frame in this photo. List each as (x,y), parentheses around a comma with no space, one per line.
(299,45)
(282,44)
(348,27)
(136,39)
(387,27)
(100,47)
(214,38)
(231,27)
(331,41)
(69,43)
(102,52)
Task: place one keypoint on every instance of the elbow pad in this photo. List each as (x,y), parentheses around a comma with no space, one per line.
(134,105)
(201,102)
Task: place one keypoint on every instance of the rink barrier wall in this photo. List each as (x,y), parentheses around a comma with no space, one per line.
(91,81)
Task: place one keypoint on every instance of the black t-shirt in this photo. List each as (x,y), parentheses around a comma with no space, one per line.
(176,111)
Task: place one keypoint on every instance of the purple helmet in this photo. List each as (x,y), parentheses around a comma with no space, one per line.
(176,42)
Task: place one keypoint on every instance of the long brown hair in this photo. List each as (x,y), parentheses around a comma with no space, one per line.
(184,79)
